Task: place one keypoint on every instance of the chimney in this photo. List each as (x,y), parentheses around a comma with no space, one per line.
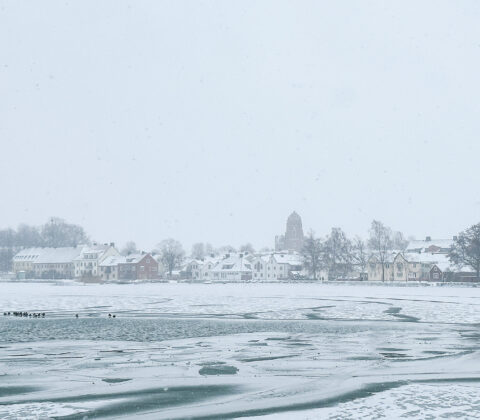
(428,239)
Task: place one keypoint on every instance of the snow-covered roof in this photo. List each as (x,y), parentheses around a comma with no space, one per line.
(48,255)
(287,258)
(92,249)
(58,255)
(423,246)
(29,254)
(112,261)
(234,263)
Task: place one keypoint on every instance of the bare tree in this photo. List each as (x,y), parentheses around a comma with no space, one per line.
(360,254)
(311,253)
(399,241)
(198,250)
(129,248)
(58,233)
(172,254)
(28,236)
(380,243)
(209,249)
(225,249)
(466,249)
(337,254)
(248,247)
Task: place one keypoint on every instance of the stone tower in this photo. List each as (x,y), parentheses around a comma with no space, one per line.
(294,233)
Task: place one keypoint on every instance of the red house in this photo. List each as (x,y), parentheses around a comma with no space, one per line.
(138,267)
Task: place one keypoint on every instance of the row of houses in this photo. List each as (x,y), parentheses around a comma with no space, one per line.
(276,266)
(104,263)
(100,262)
(423,260)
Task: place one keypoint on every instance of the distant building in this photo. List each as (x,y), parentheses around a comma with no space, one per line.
(131,267)
(433,246)
(293,238)
(87,263)
(46,262)
(412,266)
(234,267)
(277,266)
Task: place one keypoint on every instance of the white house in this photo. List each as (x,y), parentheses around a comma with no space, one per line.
(87,263)
(234,267)
(46,262)
(276,266)
(412,266)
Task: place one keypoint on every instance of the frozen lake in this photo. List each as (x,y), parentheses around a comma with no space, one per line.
(239,350)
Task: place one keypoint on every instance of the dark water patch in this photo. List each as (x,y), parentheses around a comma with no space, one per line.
(116,380)
(299,343)
(314,316)
(260,344)
(7,391)
(137,402)
(210,363)
(158,329)
(394,355)
(360,358)
(393,310)
(278,338)
(363,392)
(390,349)
(406,318)
(218,369)
(467,379)
(435,352)
(266,358)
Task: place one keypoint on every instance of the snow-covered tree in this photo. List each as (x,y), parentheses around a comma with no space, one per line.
(466,249)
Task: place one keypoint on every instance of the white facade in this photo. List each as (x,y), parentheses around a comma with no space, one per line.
(236,267)
(277,266)
(87,263)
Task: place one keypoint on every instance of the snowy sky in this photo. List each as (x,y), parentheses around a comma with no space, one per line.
(213,120)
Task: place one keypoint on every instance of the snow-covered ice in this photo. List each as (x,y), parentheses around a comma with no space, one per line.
(239,350)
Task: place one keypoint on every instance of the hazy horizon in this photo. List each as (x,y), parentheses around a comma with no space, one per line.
(213,121)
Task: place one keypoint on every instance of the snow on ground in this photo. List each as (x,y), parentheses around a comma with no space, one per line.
(239,350)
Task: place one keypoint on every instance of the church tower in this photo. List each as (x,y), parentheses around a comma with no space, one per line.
(294,233)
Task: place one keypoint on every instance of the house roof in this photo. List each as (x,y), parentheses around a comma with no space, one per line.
(112,261)
(292,259)
(234,263)
(58,255)
(48,255)
(422,246)
(29,254)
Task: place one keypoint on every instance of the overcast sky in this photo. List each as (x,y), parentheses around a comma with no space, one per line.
(213,120)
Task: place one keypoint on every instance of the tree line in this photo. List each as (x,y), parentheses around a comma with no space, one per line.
(337,255)
(55,233)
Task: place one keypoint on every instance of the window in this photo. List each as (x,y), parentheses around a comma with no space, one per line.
(142,268)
